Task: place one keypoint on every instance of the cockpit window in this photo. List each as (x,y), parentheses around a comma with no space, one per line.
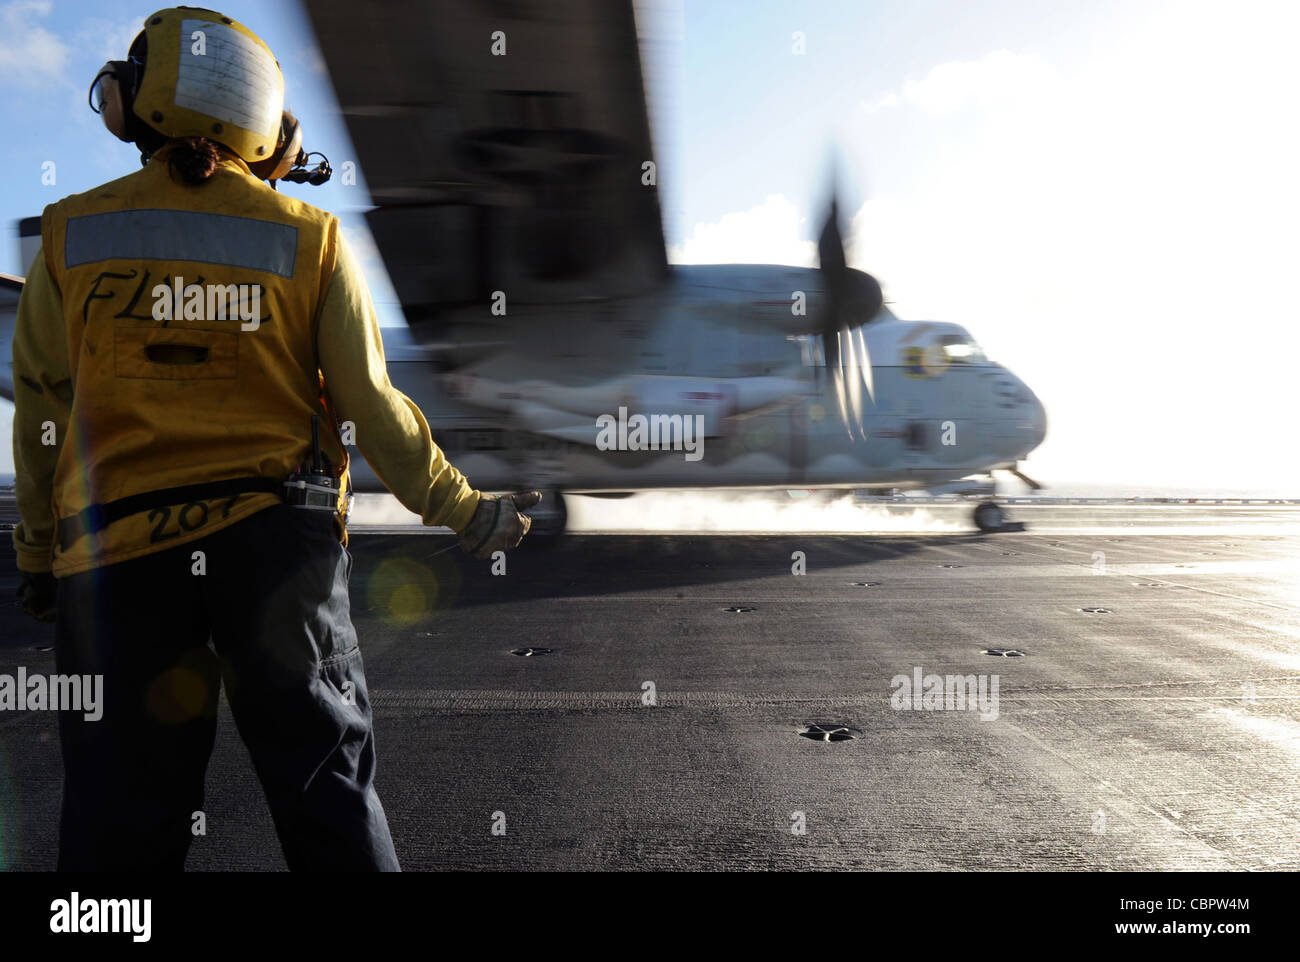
(961,349)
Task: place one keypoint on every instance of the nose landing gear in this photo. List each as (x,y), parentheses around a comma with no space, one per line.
(990,518)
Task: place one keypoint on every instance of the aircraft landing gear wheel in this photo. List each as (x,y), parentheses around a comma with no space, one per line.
(550,517)
(988,516)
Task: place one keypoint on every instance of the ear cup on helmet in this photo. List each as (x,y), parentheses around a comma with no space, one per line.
(111,94)
(287,153)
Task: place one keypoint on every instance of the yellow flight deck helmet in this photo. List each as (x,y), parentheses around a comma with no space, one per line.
(197,73)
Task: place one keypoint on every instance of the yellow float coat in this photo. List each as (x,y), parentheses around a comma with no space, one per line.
(111,401)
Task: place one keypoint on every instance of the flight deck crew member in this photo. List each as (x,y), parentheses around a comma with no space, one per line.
(177,334)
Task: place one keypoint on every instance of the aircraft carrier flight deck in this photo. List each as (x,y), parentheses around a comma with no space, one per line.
(690,701)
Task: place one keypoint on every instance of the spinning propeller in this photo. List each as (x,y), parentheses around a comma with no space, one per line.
(852,298)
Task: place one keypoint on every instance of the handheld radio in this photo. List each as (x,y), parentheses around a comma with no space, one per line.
(313,485)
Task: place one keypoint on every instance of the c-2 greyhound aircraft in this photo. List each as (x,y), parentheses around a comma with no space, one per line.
(507,151)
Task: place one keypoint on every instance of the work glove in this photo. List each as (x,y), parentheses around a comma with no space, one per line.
(36,594)
(497,524)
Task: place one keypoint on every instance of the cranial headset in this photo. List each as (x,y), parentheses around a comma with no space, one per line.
(112,96)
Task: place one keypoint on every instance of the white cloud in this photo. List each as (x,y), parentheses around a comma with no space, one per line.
(883,102)
(30,55)
(110,40)
(997,78)
(771,233)
(1122,236)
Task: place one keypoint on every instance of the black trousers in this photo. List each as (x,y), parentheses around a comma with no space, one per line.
(270,617)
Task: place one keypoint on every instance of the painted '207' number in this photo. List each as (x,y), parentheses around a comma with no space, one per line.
(190,517)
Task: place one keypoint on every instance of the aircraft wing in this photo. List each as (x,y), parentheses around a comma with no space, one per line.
(504,145)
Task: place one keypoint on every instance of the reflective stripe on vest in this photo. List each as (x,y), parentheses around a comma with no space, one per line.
(182,235)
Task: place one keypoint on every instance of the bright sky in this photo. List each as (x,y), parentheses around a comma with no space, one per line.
(1106,193)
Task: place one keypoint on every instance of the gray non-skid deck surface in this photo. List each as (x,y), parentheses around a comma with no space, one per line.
(1164,734)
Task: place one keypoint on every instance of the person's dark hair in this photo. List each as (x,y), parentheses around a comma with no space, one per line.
(193,159)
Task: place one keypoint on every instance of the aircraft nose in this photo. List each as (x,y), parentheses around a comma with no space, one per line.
(1036,416)
(1029,418)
